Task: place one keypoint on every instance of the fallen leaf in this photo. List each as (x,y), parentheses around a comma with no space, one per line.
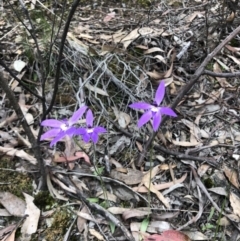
(96,234)
(130,177)
(31,223)
(147,182)
(152,226)
(222,81)
(131,213)
(4,232)
(123,118)
(232,176)
(169,235)
(235,203)
(11,237)
(18,65)
(219,190)
(77,155)
(195,235)
(13,204)
(160,186)
(153,50)
(130,38)
(186,143)
(202,169)
(109,16)
(81,222)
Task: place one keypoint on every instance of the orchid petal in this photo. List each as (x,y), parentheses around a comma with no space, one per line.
(157,118)
(95,137)
(89,118)
(145,118)
(80,131)
(86,137)
(49,134)
(52,123)
(77,115)
(71,131)
(160,93)
(140,106)
(168,111)
(57,138)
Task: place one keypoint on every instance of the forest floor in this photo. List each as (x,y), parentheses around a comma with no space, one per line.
(178,183)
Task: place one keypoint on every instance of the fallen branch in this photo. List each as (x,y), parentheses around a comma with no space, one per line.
(222,75)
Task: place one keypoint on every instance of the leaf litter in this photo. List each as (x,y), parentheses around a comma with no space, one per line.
(206,127)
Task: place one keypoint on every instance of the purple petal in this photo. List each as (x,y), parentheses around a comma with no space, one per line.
(80,131)
(86,137)
(140,106)
(160,93)
(94,137)
(89,118)
(57,138)
(49,134)
(145,118)
(77,115)
(71,131)
(168,111)
(52,123)
(157,120)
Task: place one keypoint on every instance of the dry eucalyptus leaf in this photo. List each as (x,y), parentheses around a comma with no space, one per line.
(195,235)
(186,143)
(131,213)
(153,50)
(109,16)
(130,38)
(202,169)
(19,153)
(235,203)
(130,177)
(96,234)
(219,190)
(13,204)
(160,226)
(4,213)
(232,176)
(18,65)
(123,118)
(82,221)
(30,225)
(121,143)
(160,186)
(222,81)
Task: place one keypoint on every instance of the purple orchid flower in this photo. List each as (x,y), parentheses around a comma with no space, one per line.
(90,133)
(62,128)
(154,111)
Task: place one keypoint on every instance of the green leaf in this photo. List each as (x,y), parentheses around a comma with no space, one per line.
(98,171)
(93,200)
(112,227)
(211,214)
(144,225)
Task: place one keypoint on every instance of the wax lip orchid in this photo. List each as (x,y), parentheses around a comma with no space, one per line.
(154,111)
(62,128)
(90,132)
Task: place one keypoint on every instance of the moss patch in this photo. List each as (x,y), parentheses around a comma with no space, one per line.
(13,181)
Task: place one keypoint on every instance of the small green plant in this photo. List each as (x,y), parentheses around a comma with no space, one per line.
(208,225)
